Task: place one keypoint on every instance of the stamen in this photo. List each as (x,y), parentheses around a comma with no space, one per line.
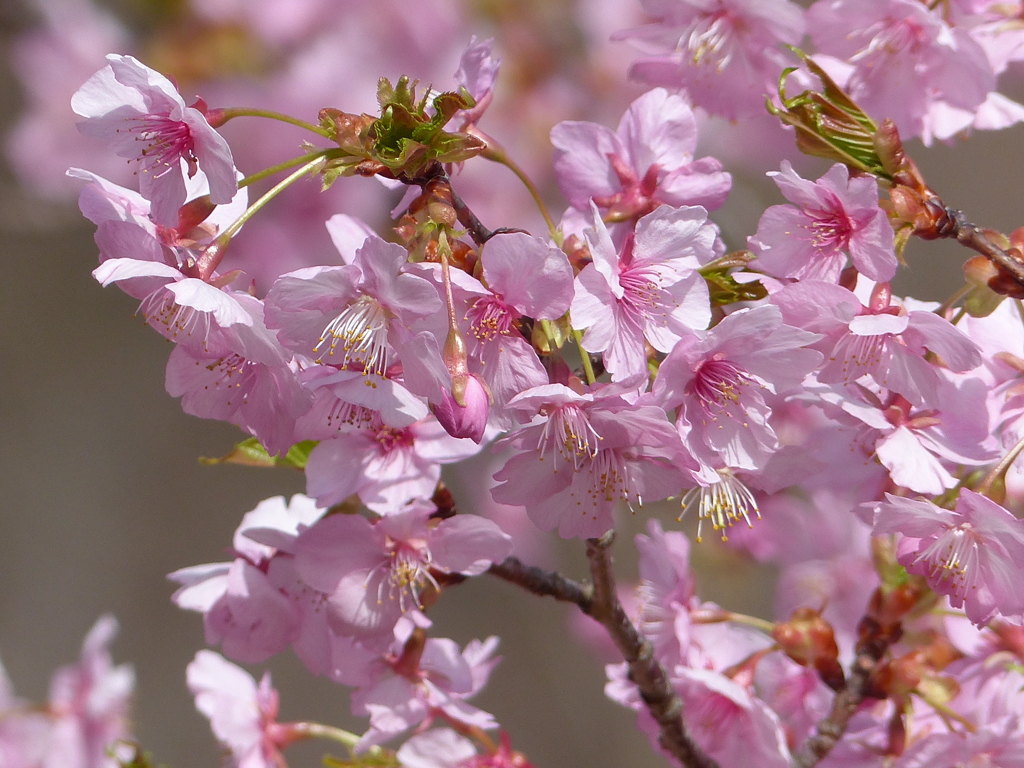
(568,430)
(723,503)
(362,329)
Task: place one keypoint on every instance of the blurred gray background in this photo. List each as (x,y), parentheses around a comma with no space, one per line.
(101,494)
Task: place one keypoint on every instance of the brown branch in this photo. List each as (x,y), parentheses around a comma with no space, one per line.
(644,669)
(544,583)
(975,238)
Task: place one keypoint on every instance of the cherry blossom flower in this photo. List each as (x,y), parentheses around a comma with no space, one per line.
(909,65)
(646,162)
(885,341)
(348,316)
(585,453)
(385,466)
(244,608)
(89,703)
(253,385)
(372,573)
(970,553)
(715,383)
(650,291)
(478,69)
(837,215)
(725,53)
(243,716)
(140,114)
(422,678)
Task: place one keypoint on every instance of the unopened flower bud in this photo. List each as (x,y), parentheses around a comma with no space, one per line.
(810,641)
(468,418)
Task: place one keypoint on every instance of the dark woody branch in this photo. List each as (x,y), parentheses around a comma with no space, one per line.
(600,601)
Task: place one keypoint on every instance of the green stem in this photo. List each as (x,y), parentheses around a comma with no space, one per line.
(260,175)
(267,197)
(1000,469)
(496,153)
(948,303)
(214,253)
(958,316)
(320,731)
(232,112)
(588,369)
(738,618)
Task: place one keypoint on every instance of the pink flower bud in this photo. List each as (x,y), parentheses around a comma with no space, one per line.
(470,419)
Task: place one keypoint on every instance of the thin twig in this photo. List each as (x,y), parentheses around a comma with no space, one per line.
(874,641)
(644,669)
(544,583)
(975,238)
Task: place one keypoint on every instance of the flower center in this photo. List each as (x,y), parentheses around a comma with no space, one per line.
(830,229)
(718,387)
(953,557)
(640,291)
(361,330)
(171,319)
(390,439)
(710,41)
(166,141)
(568,430)
(489,317)
(234,372)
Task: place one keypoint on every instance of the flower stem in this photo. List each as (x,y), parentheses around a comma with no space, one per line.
(260,175)
(1000,469)
(496,153)
(588,368)
(214,253)
(223,115)
(273,192)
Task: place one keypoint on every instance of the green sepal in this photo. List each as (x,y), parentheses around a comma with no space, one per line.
(829,123)
(724,289)
(251,453)
(407,138)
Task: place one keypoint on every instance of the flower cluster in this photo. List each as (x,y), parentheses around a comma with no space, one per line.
(860,441)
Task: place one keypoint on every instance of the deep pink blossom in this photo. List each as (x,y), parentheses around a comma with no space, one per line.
(348,316)
(715,383)
(883,340)
(836,216)
(385,466)
(972,553)
(140,114)
(646,162)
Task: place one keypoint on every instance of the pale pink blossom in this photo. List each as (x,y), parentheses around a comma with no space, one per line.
(648,161)
(372,573)
(725,53)
(242,714)
(972,553)
(89,704)
(909,65)
(140,114)
(423,678)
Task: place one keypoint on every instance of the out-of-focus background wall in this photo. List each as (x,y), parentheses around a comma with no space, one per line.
(100,491)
